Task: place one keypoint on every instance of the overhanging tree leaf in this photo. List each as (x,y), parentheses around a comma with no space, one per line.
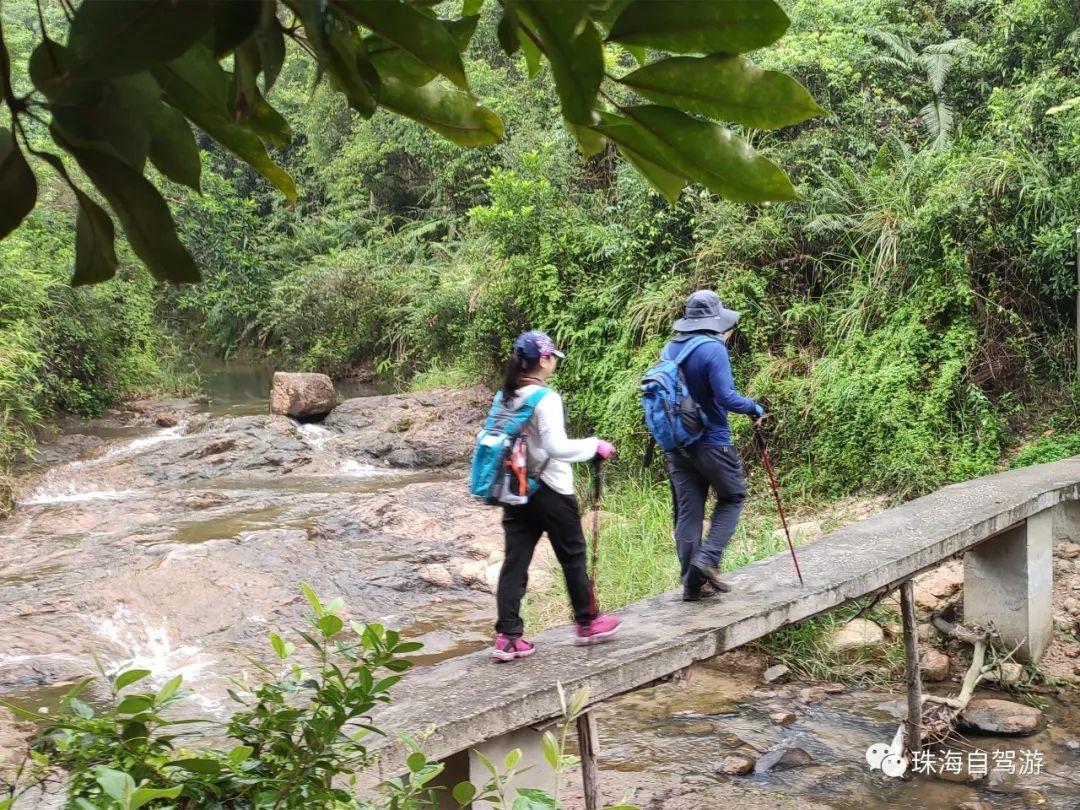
(234,22)
(462,30)
(507,30)
(173,149)
(701,26)
(141,210)
(115,37)
(712,155)
(728,87)
(644,154)
(390,60)
(575,51)
(5,68)
(340,53)
(95,237)
(271,43)
(455,115)
(532,57)
(589,140)
(197,86)
(424,37)
(18,186)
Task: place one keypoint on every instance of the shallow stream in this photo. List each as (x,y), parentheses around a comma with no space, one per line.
(178,549)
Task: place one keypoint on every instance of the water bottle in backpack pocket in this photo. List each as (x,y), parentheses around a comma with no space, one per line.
(499,473)
(674,420)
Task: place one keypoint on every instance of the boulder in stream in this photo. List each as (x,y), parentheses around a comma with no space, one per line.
(1001,717)
(735,765)
(781,759)
(301,395)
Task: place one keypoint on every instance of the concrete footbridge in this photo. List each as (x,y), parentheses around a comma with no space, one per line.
(1004,526)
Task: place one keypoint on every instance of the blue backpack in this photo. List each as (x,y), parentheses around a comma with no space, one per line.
(674,420)
(499,464)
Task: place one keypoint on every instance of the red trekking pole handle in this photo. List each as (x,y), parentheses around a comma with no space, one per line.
(766,461)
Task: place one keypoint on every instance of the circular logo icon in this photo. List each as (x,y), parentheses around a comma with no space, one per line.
(876,754)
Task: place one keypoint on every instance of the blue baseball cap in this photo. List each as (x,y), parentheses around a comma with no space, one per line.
(534,345)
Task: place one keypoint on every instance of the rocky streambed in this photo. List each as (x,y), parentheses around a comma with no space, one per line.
(172,535)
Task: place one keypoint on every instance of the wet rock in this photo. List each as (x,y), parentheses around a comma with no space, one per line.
(302,396)
(1001,717)
(1073,746)
(437,574)
(736,765)
(782,718)
(432,430)
(775,674)
(167,419)
(782,759)
(856,634)
(934,665)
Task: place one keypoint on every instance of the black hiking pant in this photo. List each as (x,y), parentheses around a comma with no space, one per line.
(705,466)
(557,515)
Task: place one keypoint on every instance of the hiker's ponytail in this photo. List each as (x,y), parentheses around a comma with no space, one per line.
(516,365)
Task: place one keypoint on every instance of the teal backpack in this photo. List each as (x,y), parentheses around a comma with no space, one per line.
(499,472)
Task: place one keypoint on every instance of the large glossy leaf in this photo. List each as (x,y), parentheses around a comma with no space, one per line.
(574,49)
(197,86)
(116,37)
(119,112)
(340,53)
(95,248)
(532,57)
(423,36)
(728,87)
(455,115)
(18,186)
(141,210)
(701,26)
(390,60)
(712,155)
(271,42)
(644,153)
(173,149)
(234,21)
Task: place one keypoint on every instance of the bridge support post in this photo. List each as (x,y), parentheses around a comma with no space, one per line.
(1008,581)
(914,673)
(467,766)
(588,744)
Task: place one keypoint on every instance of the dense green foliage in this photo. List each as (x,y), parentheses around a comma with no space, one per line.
(909,317)
(902,317)
(118,84)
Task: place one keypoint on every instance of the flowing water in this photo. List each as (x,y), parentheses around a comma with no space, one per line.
(178,549)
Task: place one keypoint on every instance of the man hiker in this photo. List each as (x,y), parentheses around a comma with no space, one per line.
(712,461)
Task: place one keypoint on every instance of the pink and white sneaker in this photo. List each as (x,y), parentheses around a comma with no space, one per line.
(507,649)
(599,629)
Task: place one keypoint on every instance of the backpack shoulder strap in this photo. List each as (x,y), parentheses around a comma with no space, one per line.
(691,344)
(535,397)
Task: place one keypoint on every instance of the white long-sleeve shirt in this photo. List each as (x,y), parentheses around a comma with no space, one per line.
(546,441)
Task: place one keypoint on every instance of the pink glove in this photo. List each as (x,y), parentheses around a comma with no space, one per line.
(604,449)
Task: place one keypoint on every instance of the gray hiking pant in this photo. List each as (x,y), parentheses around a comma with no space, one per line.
(705,466)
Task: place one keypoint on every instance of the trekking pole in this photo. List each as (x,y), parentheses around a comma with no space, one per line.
(759,440)
(597,464)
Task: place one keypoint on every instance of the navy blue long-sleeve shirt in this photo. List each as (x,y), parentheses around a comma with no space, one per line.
(708,377)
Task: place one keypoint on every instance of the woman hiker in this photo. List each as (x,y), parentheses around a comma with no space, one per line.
(552,508)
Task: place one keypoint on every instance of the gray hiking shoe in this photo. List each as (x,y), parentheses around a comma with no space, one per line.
(712,575)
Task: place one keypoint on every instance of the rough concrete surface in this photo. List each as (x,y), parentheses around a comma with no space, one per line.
(472,700)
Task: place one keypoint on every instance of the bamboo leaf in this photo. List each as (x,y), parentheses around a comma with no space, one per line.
(701,26)
(727,87)
(128,677)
